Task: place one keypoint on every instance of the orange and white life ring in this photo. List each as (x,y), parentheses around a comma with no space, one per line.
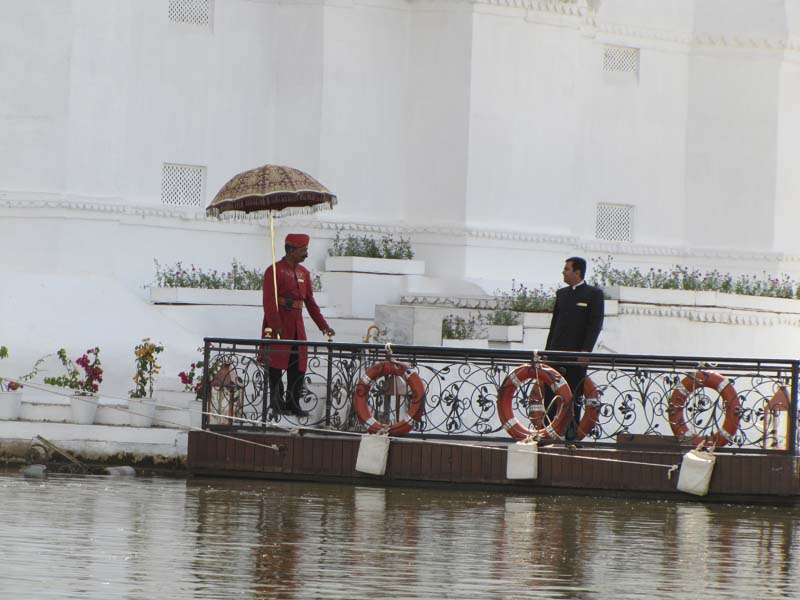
(361,398)
(542,375)
(591,407)
(703,379)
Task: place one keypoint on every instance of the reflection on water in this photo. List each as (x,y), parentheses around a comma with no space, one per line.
(95,537)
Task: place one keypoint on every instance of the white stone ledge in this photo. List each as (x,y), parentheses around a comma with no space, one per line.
(707,299)
(384,266)
(164,295)
(169,295)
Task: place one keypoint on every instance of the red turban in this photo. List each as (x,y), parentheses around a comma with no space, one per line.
(297,240)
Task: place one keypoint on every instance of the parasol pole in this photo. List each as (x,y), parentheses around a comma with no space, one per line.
(274,273)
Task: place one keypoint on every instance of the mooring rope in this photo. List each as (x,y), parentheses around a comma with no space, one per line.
(294,430)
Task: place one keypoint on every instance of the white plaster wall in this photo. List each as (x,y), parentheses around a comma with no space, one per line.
(787,201)
(485,132)
(633,141)
(35,41)
(525,94)
(298,35)
(731,149)
(364,115)
(440,55)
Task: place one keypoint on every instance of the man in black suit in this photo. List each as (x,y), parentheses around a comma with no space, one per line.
(576,323)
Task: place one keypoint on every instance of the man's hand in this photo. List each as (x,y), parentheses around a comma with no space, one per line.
(329,332)
(272,333)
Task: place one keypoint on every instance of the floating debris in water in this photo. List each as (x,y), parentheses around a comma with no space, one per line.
(124,471)
(34,470)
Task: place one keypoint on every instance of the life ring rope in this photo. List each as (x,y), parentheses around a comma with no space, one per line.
(542,375)
(725,388)
(362,392)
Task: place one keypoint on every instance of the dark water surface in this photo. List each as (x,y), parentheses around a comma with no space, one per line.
(98,537)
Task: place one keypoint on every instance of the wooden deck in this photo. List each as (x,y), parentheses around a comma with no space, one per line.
(767,477)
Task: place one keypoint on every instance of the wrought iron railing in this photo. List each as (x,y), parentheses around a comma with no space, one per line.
(636,394)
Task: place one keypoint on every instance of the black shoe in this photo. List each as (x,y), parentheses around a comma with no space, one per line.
(573,444)
(297,411)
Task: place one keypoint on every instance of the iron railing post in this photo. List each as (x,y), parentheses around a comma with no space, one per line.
(267,391)
(793,410)
(206,382)
(328,392)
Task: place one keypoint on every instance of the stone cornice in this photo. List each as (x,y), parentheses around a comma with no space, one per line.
(592,24)
(468,235)
(725,317)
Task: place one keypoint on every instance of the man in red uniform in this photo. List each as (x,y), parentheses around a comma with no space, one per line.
(285,321)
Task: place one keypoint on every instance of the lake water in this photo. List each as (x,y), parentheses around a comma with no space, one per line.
(93,537)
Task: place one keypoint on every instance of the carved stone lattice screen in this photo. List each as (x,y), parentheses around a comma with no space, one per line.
(193,12)
(183,185)
(621,59)
(614,222)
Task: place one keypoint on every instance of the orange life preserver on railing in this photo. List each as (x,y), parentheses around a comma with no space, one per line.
(703,379)
(591,407)
(361,397)
(543,375)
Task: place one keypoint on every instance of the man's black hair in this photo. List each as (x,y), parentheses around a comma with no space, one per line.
(578,264)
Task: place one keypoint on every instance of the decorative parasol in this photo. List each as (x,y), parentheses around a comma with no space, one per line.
(272,188)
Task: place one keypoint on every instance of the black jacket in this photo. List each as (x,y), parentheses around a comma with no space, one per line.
(577,319)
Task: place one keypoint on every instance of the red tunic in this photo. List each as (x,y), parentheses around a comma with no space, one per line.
(294,288)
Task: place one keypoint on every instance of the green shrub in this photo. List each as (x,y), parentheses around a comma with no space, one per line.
(682,278)
(502,316)
(371,247)
(459,328)
(523,299)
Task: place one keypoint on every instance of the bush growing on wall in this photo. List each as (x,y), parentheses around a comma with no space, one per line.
(459,328)
(523,299)
(238,278)
(682,278)
(370,247)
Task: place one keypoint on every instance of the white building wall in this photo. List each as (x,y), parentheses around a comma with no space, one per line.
(486,131)
(364,109)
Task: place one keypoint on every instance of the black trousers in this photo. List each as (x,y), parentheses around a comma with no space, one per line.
(574,375)
(294,385)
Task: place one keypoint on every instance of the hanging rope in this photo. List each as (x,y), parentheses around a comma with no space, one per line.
(295,430)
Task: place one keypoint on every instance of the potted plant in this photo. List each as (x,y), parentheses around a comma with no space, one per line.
(461,332)
(10,394)
(362,272)
(535,304)
(178,284)
(141,412)
(503,325)
(83,402)
(192,380)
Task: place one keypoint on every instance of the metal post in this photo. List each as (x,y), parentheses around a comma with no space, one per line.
(267,391)
(793,410)
(206,382)
(328,395)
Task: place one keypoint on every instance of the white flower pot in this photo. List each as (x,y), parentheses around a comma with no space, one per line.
(175,399)
(537,320)
(505,333)
(141,412)
(363,264)
(159,295)
(10,404)
(83,408)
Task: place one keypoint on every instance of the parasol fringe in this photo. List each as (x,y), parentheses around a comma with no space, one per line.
(289,211)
